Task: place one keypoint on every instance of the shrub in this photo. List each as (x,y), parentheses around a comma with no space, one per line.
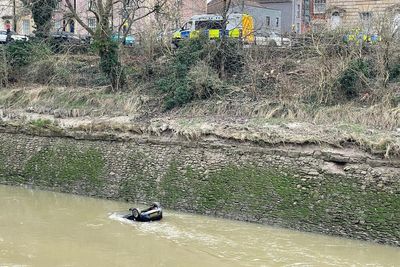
(41,123)
(352,80)
(234,58)
(204,81)
(192,73)
(394,72)
(21,54)
(175,82)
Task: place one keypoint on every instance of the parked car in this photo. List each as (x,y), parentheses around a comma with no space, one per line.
(129,40)
(273,39)
(14,37)
(67,37)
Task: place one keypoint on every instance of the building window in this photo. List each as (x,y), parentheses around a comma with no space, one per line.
(70,26)
(277,23)
(268,21)
(298,11)
(26,26)
(319,6)
(336,20)
(366,16)
(91,4)
(366,20)
(92,23)
(58,5)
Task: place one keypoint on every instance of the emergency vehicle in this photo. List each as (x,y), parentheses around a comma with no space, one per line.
(239,26)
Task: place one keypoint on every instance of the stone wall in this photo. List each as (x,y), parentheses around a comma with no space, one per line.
(340,192)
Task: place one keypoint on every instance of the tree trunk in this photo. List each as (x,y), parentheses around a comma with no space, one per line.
(42,13)
(110,63)
(224,38)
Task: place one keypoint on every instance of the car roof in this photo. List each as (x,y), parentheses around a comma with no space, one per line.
(207,17)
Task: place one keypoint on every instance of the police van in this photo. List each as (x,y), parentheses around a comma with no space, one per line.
(239,26)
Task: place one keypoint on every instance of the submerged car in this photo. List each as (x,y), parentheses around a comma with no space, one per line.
(153,213)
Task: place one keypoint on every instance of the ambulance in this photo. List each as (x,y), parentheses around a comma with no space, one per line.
(238,26)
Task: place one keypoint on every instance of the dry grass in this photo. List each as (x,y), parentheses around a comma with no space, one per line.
(97,101)
(378,116)
(259,131)
(91,101)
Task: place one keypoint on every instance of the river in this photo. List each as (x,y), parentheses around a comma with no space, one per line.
(39,228)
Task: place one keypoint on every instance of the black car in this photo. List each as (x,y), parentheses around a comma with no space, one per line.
(67,37)
(152,213)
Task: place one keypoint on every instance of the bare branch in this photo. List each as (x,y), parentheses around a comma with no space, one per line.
(76,16)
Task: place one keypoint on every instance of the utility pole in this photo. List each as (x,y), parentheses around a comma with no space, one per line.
(243,6)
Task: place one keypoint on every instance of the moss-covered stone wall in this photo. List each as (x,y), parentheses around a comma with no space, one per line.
(347,194)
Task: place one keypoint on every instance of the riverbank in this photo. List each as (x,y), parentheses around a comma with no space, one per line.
(295,175)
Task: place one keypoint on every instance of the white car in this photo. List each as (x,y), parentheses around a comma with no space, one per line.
(273,39)
(14,37)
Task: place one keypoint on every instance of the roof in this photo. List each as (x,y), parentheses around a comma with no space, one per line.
(206,17)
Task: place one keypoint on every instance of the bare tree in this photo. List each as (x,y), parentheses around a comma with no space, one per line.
(103,10)
(225,12)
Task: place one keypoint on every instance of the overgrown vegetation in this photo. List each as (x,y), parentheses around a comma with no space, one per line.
(42,14)
(21,54)
(319,79)
(190,74)
(354,78)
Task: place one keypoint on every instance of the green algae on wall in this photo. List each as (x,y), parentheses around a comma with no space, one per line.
(5,151)
(176,189)
(66,167)
(255,192)
(140,183)
(258,186)
(276,196)
(2,167)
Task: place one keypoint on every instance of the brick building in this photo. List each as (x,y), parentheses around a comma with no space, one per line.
(14,13)
(20,17)
(355,13)
(190,8)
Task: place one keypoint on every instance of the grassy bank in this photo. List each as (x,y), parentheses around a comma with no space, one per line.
(99,102)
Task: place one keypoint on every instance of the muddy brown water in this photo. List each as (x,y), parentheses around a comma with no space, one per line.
(39,228)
